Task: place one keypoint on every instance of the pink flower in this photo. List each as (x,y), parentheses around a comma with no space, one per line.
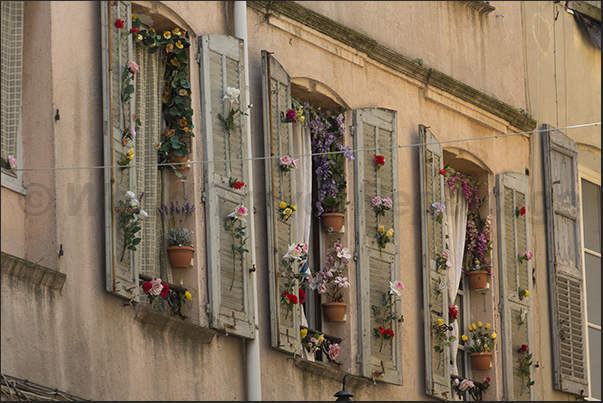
(376,201)
(388,203)
(291,115)
(12,161)
(334,350)
(295,163)
(156,288)
(239,213)
(286,160)
(133,133)
(133,67)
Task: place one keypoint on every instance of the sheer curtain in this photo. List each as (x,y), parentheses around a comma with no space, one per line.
(302,199)
(456,224)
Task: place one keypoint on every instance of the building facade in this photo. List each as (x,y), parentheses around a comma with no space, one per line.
(455,138)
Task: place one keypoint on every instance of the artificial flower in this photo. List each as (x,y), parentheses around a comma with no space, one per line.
(164,290)
(334,350)
(133,67)
(442,171)
(389,233)
(479,324)
(238,185)
(396,287)
(232,94)
(169,48)
(133,133)
(524,347)
(493,336)
(440,321)
(134,30)
(464,337)
(381,228)
(453,312)
(179,45)
(134,17)
(175,62)
(187,295)
(379,161)
(303,333)
(239,213)
(176,31)
(119,23)
(487,326)
(129,195)
(158,145)
(12,161)
(167,34)
(142,215)
(283,204)
(183,93)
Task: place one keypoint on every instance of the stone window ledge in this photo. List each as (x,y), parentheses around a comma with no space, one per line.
(32,273)
(323,370)
(173,325)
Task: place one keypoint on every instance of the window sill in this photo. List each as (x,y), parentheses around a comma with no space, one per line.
(173,325)
(32,273)
(323,370)
(13,184)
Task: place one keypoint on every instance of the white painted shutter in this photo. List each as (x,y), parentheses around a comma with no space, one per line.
(564,262)
(280,186)
(437,366)
(222,66)
(374,128)
(122,276)
(513,240)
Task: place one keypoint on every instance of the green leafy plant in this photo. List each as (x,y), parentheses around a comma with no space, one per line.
(386,313)
(384,237)
(481,340)
(524,367)
(443,340)
(179,237)
(237,233)
(130,215)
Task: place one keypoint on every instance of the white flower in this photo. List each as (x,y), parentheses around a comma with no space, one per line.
(344,254)
(396,287)
(232,94)
(442,287)
(342,281)
(134,203)
(438,207)
(142,215)
(239,213)
(157,287)
(129,195)
(12,161)
(294,252)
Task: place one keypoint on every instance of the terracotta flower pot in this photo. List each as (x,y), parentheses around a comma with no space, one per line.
(332,222)
(180,256)
(481,361)
(334,311)
(180,160)
(477,279)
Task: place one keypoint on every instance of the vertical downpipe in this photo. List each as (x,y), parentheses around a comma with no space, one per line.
(254,380)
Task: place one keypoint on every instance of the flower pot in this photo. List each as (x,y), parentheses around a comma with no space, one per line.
(332,222)
(334,311)
(481,361)
(477,279)
(180,160)
(180,256)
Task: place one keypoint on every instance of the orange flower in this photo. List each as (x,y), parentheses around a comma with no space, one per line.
(168,48)
(170,133)
(165,99)
(183,122)
(185,129)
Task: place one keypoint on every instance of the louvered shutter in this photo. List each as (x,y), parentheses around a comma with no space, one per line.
(376,128)
(564,262)
(231,299)
(122,274)
(280,186)
(513,240)
(435,305)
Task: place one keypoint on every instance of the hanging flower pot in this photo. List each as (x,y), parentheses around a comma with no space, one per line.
(180,256)
(332,222)
(481,361)
(334,311)
(180,162)
(477,279)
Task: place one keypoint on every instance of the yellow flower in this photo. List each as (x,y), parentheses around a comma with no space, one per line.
(390,233)
(176,31)
(464,338)
(299,112)
(151,30)
(179,45)
(440,322)
(303,333)
(287,211)
(167,34)
(188,295)
(493,336)
(321,338)
(158,145)
(487,326)
(469,327)
(174,62)
(301,119)
(169,47)
(527,293)
(294,208)
(283,204)
(479,324)
(381,228)
(134,18)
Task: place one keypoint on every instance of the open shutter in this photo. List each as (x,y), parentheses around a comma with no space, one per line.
(122,274)
(376,128)
(280,186)
(517,314)
(231,299)
(435,305)
(564,262)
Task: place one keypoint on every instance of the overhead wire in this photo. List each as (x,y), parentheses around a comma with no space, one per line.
(399,146)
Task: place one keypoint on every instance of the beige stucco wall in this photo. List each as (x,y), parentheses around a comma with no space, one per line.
(53,337)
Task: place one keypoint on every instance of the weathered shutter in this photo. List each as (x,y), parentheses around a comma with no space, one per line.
(376,128)
(230,293)
(513,240)
(564,262)
(435,305)
(280,186)
(122,276)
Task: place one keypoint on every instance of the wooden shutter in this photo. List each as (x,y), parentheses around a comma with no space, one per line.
(437,365)
(375,128)
(222,66)
(564,262)
(513,239)
(122,276)
(280,186)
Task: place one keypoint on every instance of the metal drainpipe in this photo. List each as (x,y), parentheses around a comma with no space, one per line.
(254,380)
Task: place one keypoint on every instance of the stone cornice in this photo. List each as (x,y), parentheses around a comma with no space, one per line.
(395,61)
(32,273)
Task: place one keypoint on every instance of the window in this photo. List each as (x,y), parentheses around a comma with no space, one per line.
(591,232)
(12,71)
(564,252)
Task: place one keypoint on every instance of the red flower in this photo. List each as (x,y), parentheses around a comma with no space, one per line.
(164,290)
(238,185)
(134,30)
(442,171)
(291,115)
(381,330)
(147,286)
(302,296)
(487,379)
(522,211)
(524,347)
(389,332)
(379,160)
(119,23)
(453,312)
(292,298)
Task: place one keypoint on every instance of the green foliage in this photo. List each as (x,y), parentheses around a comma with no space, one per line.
(179,237)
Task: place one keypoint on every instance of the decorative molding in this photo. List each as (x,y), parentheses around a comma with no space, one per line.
(482,7)
(395,61)
(32,273)
(173,325)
